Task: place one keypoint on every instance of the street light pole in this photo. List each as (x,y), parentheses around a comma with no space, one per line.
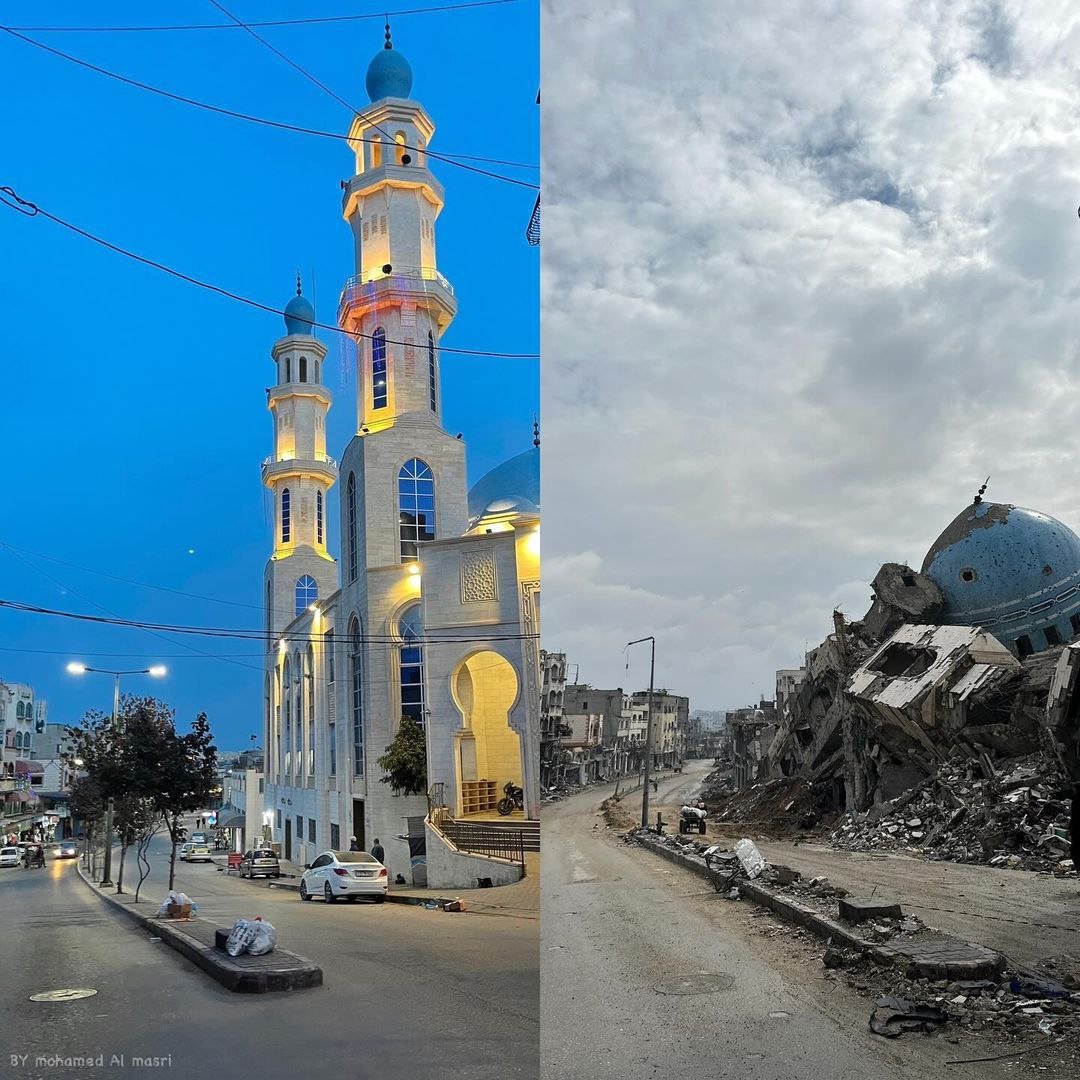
(648,732)
(156,671)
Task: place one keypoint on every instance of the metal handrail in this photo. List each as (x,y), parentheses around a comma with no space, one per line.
(481,839)
(325,459)
(412,273)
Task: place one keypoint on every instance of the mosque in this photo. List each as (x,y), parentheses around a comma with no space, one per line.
(431,612)
(976,653)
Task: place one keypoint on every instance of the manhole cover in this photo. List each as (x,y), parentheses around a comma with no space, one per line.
(62,995)
(695,984)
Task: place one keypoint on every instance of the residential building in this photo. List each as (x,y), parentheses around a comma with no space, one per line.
(670,714)
(242,815)
(552,689)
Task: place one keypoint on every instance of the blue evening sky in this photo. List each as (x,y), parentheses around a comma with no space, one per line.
(133,404)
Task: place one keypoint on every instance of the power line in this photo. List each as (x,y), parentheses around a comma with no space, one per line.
(276,22)
(127,581)
(352,108)
(147,629)
(233,114)
(30,209)
(253,635)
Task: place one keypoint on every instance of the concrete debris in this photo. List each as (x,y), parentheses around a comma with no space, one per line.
(750,859)
(1020,821)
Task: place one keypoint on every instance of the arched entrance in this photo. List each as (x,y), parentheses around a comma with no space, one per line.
(488,750)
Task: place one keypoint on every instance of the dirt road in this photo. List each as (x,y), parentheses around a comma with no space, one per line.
(1026,916)
(646,973)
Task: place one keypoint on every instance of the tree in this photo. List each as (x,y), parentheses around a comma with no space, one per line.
(142,842)
(405,760)
(133,817)
(87,802)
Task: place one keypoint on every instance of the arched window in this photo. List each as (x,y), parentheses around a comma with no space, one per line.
(286,705)
(316,370)
(410,629)
(286,518)
(298,689)
(351,506)
(18,737)
(378,369)
(318,516)
(288,369)
(303,369)
(20,711)
(401,149)
(416,507)
(307,592)
(356,687)
(311,710)
(376,151)
(432,381)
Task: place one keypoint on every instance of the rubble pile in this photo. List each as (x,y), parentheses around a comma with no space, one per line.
(1017,817)
(783,805)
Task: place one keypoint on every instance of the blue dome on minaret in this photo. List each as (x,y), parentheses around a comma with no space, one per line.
(299,314)
(388,74)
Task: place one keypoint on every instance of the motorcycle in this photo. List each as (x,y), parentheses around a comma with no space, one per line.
(513,799)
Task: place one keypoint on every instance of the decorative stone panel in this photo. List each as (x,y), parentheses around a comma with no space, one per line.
(478,579)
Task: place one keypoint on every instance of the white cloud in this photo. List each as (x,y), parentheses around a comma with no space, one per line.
(809,274)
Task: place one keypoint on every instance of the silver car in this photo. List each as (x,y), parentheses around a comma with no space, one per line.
(260,862)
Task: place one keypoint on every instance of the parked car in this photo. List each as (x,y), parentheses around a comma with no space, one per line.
(199,853)
(199,838)
(260,862)
(10,856)
(66,849)
(182,851)
(351,874)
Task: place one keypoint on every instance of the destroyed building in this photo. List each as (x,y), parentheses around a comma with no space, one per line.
(965,658)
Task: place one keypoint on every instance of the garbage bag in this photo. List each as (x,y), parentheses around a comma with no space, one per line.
(750,858)
(264,940)
(240,937)
(172,897)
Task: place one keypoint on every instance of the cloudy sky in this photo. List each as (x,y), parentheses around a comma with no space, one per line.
(811,272)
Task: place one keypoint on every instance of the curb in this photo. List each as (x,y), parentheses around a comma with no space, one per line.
(790,911)
(298,973)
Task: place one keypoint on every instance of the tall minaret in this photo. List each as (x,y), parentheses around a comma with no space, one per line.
(398,304)
(299,473)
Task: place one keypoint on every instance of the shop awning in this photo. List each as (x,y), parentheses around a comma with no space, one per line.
(233,820)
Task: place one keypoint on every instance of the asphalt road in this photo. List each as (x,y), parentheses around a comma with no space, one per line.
(408,993)
(646,973)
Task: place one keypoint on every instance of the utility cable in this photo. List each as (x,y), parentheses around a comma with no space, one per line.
(359,113)
(13,201)
(251,634)
(233,114)
(275,22)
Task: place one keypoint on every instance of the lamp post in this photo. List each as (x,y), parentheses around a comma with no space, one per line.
(156,671)
(648,732)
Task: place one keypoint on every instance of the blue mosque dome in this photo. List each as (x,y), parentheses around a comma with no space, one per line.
(512,486)
(299,314)
(388,74)
(1013,571)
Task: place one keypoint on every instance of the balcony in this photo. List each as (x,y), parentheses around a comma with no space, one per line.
(404,283)
(322,465)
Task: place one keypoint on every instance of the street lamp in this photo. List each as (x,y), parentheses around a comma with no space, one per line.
(648,732)
(157,671)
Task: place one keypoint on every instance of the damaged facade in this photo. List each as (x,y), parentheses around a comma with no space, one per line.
(963,659)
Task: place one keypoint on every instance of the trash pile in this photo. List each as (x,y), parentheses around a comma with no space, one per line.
(251,936)
(178,906)
(1015,815)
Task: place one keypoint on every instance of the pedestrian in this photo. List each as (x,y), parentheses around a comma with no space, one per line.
(656,786)
(353,845)
(377,850)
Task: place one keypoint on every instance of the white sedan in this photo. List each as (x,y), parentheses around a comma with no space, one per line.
(350,874)
(10,856)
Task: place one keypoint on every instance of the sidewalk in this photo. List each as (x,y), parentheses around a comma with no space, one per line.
(1026,916)
(520,900)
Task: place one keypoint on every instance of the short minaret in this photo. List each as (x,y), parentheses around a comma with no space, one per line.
(397,304)
(299,473)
